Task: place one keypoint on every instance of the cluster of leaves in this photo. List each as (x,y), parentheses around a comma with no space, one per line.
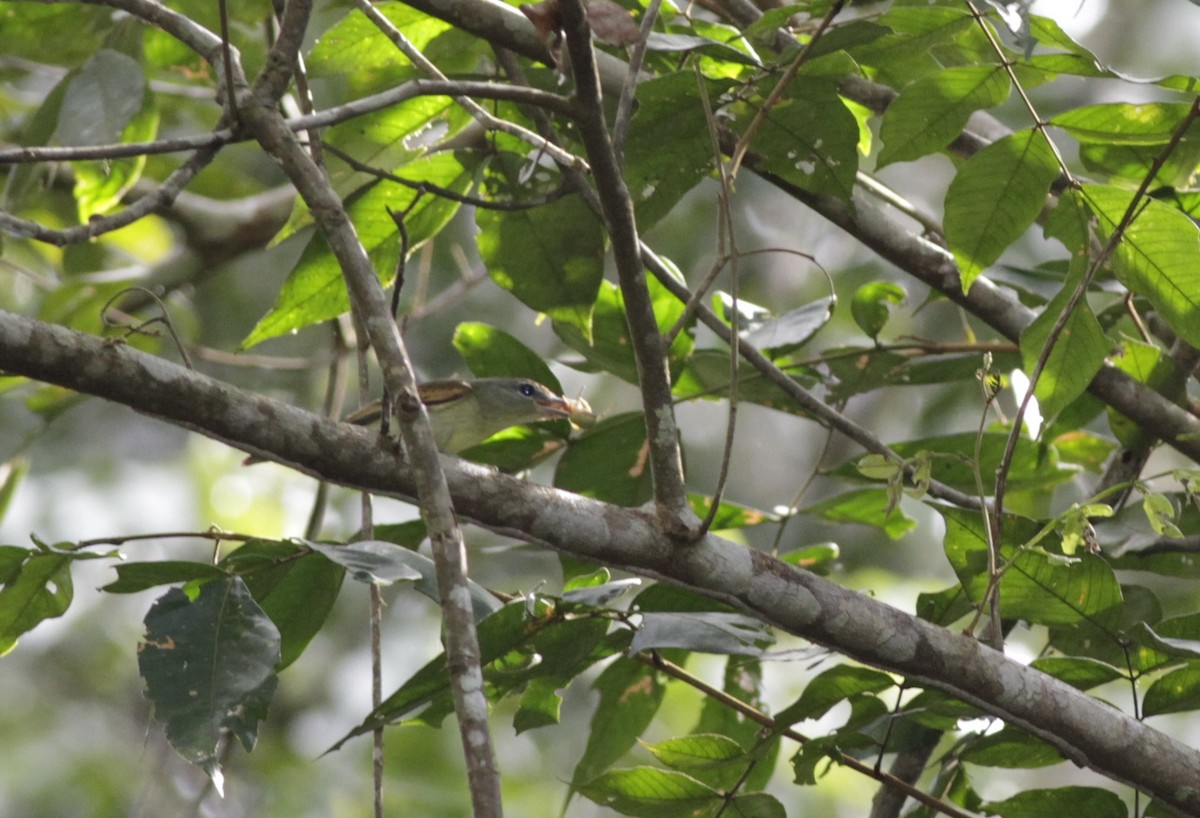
(258,609)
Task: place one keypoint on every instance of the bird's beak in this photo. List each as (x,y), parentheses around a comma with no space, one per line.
(575,410)
(554,407)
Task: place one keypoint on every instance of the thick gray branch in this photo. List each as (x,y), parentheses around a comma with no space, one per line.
(1087,731)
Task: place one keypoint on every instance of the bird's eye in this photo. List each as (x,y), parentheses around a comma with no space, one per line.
(527,390)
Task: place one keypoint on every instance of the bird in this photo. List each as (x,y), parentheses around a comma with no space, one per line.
(464,413)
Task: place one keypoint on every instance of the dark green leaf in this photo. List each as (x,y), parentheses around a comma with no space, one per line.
(608,462)
(1012,749)
(551,258)
(810,139)
(931,112)
(209,665)
(779,335)
(630,695)
(1034,466)
(315,291)
(1078,353)
(1089,801)
(865,507)
(1077,671)
(608,347)
(831,686)
(37,586)
(370,561)
(138,576)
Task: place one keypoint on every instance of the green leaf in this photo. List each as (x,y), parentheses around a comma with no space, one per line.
(1033,588)
(1077,355)
(994,199)
(668,151)
(743,680)
(357,53)
(500,633)
(832,686)
(1089,801)
(1124,123)
(1079,672)
(551,258)
(863,369)
(608,347)
(101,99)
(608,462)
(1034,466)
(651,793)
(1175,692)
(707,376)
(810,139)
(138,576)
(866,507)
(630,695)
(872,305)
(1156,257)
(37,586)
(493,353)
(932,111)
(697,751)
(295,589)
(1010,748)
(209,666)
(11,475)
(315,290)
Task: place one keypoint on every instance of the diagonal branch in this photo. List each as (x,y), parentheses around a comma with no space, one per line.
(1089,732)
(649,347)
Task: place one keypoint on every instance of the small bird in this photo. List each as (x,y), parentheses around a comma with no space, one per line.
(464,413)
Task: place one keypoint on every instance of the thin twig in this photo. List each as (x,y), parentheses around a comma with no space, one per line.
(629,91)
(481,114)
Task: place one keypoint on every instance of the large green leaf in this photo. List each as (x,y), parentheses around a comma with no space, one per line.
(551,258)
(315,290)
(1078,353)
(1176,692)
(296,590)
(924,40)
(810,138)
(995,197)
(608,347)
(609,462)
(1090,801)
(355,52)
(1124,123)
(630,695)
(931,112)
(1033,466)
(37,586)
(1156,257)
(652,793)
(866,507)
(1034,587)
(668,150)
(209,666)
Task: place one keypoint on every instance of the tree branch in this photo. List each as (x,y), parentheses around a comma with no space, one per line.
(649,348)
(1089,732)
